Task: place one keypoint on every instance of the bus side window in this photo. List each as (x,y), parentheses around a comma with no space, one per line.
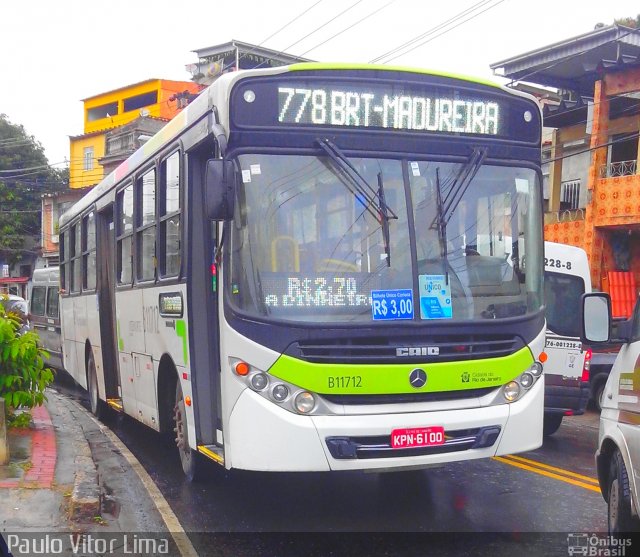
(170,230)
(89,252)
(124,235)
(64,265)
(146,229)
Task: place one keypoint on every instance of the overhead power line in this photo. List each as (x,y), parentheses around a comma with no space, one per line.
(348,28)
(406,47)
(317,29)
(254,50)
(427,33)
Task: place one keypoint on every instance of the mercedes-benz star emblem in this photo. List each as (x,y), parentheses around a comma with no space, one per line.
(418,378)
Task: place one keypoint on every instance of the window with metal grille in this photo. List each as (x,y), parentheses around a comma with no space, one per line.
(570,195)
(88,158)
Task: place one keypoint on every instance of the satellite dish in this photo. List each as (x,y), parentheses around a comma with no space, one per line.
(144,112)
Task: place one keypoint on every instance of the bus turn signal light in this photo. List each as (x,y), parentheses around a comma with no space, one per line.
(242,368)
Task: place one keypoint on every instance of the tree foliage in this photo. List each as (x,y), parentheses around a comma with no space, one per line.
(23,375)
(25,175)
(633,22)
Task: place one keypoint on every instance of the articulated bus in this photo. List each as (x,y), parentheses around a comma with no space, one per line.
(319,267)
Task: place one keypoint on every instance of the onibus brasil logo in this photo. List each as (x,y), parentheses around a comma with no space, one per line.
(598,545)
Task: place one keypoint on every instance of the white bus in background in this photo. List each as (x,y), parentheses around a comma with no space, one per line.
(44,314)
(566,279)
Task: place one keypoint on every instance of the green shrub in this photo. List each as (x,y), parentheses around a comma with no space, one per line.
(23,375)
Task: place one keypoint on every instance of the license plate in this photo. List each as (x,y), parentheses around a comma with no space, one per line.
(417,437)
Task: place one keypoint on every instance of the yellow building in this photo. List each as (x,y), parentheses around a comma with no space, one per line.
(156,98)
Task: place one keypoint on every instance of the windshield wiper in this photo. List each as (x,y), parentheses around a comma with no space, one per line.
(447,205)
(441,224)
(374,201)
(461,183)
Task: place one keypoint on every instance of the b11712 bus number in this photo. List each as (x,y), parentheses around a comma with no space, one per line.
(557,263)
(344,382)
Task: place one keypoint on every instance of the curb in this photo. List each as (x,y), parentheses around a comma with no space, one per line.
(85,499)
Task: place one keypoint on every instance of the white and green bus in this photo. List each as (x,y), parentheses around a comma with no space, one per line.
(319,267)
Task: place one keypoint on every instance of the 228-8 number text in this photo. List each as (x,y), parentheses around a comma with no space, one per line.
(557,263)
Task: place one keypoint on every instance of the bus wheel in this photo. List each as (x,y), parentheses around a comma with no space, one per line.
(97,406)
(619,516)
(190,459)
(551,424)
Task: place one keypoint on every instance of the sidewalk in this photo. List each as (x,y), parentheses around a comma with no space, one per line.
(67,487)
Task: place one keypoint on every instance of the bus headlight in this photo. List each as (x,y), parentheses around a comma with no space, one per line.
(536,369)
(511,391)
(259,381)
(526,380)
(280,392)
(304,402)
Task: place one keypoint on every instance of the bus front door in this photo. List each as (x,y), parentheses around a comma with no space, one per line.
(106,305)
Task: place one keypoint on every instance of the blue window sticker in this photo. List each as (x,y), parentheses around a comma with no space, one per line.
(435,297)
(391,304)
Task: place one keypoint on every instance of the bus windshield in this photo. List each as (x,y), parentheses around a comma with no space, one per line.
(445,243)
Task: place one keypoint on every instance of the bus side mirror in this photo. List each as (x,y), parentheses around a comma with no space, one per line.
(220,190)
(596,318)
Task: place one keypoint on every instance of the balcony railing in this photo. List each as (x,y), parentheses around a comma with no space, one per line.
(120,143)
(622,168)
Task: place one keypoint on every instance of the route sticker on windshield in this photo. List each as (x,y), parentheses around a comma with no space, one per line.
(435,297)
(391,304)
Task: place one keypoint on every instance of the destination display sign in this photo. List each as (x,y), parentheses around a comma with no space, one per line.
(417,104)
(375,107)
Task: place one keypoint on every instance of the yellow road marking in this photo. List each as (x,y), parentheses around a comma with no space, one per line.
(538,470)
(554,469)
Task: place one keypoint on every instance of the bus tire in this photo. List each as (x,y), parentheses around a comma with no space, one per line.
(551,424)
(189,459)
(619,516)
(98,407)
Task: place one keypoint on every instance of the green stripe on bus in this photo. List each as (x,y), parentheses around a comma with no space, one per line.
(310,66)
(394,378)
(181,331)
(120,339)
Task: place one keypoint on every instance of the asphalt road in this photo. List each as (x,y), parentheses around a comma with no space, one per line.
(527,504)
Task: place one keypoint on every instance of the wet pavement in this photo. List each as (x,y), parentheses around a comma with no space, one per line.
(489,505)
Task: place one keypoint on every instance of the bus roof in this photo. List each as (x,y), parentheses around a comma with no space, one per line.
(217,95)
(46,275)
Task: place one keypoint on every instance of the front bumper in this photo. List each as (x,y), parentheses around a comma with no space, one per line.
(263,436)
